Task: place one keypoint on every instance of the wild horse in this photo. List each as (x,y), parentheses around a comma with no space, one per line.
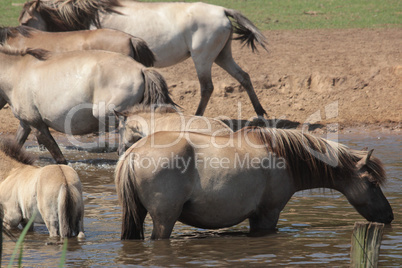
(215,182)
(53,193)
(174,32)
(73,92)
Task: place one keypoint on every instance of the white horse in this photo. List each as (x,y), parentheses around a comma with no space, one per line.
(53,192)
(73,92)
(173,31)
(216,182)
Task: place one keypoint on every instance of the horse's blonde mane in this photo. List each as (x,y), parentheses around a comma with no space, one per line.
(299,151)
(71,15)
(13,150)
(40,54)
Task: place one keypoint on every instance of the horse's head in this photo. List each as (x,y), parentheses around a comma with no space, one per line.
(364,191)
(131,129)
(30,16)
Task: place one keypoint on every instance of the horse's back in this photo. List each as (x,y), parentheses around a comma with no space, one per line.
(199,124)
(57,175)
(173,30)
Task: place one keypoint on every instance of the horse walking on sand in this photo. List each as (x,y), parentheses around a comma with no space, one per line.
(53,193)
(215,182)
(101,39)
(144,120)
(174,31)
(73,92)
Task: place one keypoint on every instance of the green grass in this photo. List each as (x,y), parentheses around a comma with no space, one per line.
(316,14)
(287,14)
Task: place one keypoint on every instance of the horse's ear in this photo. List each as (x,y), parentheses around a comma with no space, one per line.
(364,161)
(33,6)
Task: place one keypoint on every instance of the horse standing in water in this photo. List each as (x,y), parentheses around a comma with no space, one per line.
(143,120)
(53,192)
(73,92)
(101,39)
(215,182)
(173,31)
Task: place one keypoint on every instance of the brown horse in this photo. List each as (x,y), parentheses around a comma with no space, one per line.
(53,193)
(102,39)
(73,92)
(174,31)
(215,182)
(143,120)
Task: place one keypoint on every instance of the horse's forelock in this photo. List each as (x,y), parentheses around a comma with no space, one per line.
(13,150)
(374,166)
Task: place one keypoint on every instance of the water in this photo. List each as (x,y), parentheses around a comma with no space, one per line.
(314,229)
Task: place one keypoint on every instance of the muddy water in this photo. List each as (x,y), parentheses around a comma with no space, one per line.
(314,229)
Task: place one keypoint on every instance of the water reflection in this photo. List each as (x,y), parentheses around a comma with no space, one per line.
(314,229)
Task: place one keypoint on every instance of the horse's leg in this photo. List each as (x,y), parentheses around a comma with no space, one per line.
(164,215)
(43,135)
(226,61)
(3,103)
(206,44)
(264,222)
(24,223)
(22,133)
(207,87)
(162,227)
(12,216)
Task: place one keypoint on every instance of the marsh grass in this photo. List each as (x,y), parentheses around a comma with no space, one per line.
(18,249)
(285,14)
(20,243)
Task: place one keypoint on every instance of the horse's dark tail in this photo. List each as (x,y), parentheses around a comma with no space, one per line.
(141,52)
(65,210)
(246,30)
(156,89)
(133,211)
(70,210)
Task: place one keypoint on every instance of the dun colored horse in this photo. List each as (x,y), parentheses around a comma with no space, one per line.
(144,120)
(53,193)
(174,31)
(101,39)
(215,182)
(73,92)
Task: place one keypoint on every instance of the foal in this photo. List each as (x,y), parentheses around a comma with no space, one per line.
(53,192)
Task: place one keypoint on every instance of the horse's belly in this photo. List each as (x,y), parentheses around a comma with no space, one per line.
(75,122)
(213,217)
(167,42)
